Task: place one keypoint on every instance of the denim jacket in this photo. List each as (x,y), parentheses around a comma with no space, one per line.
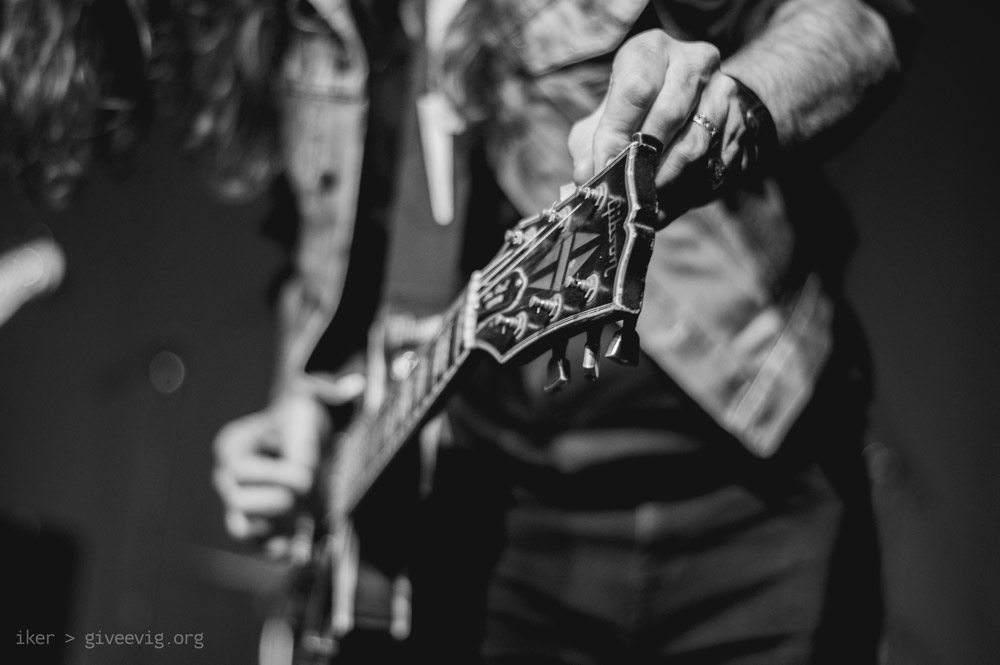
(729,312)
(324,106)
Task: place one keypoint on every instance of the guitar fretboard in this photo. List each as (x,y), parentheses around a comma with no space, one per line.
(570,269)
(375,438)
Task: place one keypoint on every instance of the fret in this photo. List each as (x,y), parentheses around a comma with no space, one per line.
(455,341)
(396,419)
(590,250)
(405,400)
(385,424)
(584,228)
(423,389)
(406,404)
(440,362)
(371,448)
(418,378)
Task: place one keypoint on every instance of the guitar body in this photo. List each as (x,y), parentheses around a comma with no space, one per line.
(571,269)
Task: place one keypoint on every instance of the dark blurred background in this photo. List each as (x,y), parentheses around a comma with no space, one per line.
(112,388)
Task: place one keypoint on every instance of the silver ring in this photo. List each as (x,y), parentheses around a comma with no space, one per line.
(706,123)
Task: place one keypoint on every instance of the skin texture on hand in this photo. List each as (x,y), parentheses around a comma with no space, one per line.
(266,463)
(812,66)
(657,85)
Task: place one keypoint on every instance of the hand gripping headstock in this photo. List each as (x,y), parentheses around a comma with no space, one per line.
(573,268)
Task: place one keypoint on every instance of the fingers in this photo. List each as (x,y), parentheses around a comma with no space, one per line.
(707,153)
(241,527)
(733,144)
(709,124)
(265,463)
(254,433)
(253,509)
(637,79)
(656,84)
(278,547)
(302,423)
(691,68)
(581,146)
(250,470)
(261,500)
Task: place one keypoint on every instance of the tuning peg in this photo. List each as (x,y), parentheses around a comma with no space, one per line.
(624,347)
(592,353)
(588,287)
(551,306)
(558,369)
(514,236)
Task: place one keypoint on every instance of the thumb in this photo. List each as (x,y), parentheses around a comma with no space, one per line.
(302,425)
(581,146)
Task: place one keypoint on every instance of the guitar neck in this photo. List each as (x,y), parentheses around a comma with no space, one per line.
(570,269)
(374,439)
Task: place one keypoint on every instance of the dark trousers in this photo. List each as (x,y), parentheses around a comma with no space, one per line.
(624,526)
(774,564)
(725,577)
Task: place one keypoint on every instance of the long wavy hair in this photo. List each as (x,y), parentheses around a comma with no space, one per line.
(481,71)
(229,61)
(73,90)
(232,55)
(79,78)
(232,50)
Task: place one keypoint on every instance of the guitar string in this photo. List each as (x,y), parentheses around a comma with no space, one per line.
(392,400)
(499,261)
(449,319)
(494,274)
(491,275)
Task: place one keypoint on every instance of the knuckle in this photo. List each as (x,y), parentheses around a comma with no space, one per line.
(308,481)
(220,483)
(648,43)
(726,86)
(605,146)
(281,503)
(242,532)
(673,115)
(225,440)
(708,55)
(637,90)
(237,524)
(287,501)
(684,153)
(665,119)
(576,141)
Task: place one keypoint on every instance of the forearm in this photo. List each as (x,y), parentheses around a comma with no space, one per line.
(815,63)
(294,337)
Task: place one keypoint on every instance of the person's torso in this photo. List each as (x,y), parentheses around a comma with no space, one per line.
(734,311)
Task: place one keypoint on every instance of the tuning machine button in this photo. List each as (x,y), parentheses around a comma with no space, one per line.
(624,347)
(557,375)
(515,237)
(516,325)
(551,306)
(592,353)
(589,286)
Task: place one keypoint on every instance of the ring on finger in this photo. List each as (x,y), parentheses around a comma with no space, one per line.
(706,124)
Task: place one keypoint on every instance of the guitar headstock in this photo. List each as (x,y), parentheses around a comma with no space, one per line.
(573,268)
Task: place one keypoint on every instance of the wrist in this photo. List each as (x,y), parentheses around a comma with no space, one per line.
(761,146)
